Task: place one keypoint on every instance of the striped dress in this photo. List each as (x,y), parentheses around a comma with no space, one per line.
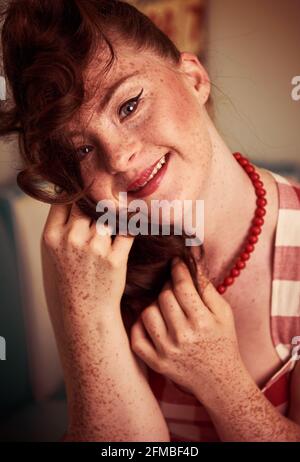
(186,417)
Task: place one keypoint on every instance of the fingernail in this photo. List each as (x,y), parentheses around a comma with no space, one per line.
(175,261)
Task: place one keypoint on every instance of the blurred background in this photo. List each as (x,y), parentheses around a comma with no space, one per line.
(251,51)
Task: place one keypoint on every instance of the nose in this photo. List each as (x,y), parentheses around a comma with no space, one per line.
(119,162)
(118,148)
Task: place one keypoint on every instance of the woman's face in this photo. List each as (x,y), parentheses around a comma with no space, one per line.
(119,140)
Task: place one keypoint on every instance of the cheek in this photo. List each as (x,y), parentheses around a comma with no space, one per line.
(170,116)
(186,126)
(100,187)
(191,134)
(178,123)
(183,108)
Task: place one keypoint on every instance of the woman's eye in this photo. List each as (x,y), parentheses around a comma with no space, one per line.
(83,151)
(131,105)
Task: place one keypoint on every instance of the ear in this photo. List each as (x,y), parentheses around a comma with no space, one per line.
(196,75)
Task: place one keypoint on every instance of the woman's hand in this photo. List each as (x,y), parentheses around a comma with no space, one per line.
(85,272)
(193,339)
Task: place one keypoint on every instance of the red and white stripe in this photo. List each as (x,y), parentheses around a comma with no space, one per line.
(186,418)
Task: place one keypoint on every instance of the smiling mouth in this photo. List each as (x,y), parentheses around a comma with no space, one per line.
(146,178)
(152,178)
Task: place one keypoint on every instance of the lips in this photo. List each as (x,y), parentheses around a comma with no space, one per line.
(138,183)
(154,181)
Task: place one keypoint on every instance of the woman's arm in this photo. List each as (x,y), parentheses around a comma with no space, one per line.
(111,399)
(108,396)
(241,412)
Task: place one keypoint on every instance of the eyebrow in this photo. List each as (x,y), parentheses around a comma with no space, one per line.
(104,101)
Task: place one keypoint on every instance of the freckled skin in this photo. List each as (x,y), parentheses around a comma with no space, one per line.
(197,348)
(248,415)
(172,118)
(160,124)
(84,276)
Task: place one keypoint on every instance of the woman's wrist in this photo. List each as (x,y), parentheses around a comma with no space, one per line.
(87,350)
(231,384)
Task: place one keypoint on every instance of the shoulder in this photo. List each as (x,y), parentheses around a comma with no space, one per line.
(288,222)
(288,191)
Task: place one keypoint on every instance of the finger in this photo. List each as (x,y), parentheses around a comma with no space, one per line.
(209,295)
(155,325)
(101,240)
(202,277)
(141,345)
(214,300)
(102,230)
(79,231)
(122,246)
(57,215)
(185,290)
(172,313)
(197,252)
(76,214)
(78,224)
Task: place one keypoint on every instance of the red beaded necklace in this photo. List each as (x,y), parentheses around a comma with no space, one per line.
(257,223)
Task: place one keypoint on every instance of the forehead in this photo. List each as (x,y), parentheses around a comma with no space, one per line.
(126,62)
(98,80)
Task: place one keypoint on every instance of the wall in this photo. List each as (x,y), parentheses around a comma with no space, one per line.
(252,54)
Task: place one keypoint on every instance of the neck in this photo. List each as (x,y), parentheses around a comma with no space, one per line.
(230,203)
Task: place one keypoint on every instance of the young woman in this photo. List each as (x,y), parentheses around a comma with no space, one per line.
(151,350)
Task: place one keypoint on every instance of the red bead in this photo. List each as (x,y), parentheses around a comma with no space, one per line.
(261,201)
(260,212)
(260,192)
(235,272)
(240,264)
(254,176)
(221,289)
(228,281)
(249,168)
(255,230)
(257,184)
(249,248)
(252,239)
(244,256)
(258,221)
(237,155)
(243,162)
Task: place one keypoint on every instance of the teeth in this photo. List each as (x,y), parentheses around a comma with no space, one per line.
(157,167)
